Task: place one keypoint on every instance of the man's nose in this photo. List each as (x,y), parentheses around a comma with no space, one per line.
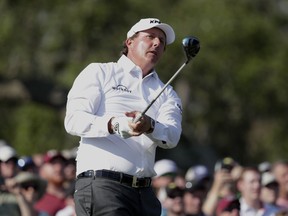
(156,41)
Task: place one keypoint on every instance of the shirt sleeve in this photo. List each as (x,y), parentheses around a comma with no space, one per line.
(83,101)
(168,129)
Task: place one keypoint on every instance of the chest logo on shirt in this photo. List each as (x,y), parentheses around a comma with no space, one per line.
(121,88)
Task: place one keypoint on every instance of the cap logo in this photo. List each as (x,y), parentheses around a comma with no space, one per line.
(155,21)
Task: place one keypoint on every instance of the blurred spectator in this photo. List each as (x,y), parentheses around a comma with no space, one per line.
(69,209)
(229,188)
(249,186)
(223,185)
(8,161)
(70,168)
(269,192)
(196,174)
(53,171)
(166,171)
(280,171)
(180,180)
(228,206)
(174,201)
(38,160)
(27,188)
(8,169)
(193,199)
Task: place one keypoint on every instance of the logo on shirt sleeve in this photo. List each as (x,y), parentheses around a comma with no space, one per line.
(179,107)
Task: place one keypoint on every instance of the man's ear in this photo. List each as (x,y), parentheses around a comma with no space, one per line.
(128,41)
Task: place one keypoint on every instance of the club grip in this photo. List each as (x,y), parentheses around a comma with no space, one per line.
(137,118)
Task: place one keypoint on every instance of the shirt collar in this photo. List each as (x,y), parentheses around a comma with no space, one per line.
(129,66)
(244,206)
(126,63)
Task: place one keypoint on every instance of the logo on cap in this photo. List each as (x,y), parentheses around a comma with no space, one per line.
(155,21)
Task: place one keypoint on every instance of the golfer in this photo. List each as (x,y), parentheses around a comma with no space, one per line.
(116,155)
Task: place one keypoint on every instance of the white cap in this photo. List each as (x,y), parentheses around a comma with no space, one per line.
(6,153)
(165,166)
(149,23)
(196,173)
(267,178)
(264,166)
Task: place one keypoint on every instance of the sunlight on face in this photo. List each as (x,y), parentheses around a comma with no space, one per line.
(147,48)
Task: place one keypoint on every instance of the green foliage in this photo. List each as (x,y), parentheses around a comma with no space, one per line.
(234,92)
(39,128)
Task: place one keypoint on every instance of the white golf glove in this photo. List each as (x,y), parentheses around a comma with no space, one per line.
(120,126)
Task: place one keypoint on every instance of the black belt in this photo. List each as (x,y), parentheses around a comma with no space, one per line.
(123,178)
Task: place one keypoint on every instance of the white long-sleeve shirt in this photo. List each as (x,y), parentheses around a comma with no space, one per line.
(104,90)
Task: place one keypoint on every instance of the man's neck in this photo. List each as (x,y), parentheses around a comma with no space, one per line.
(145,67)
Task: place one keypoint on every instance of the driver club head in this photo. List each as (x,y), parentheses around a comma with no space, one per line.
(191,46)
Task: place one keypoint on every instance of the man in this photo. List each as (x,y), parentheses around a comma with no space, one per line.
(193,199)
(174,201)
(166,171)
(8,170)
(8,161)
(26,188)
(280,171)
(223,186)
(249,186)
(115,158)
(53,172)
(269,192)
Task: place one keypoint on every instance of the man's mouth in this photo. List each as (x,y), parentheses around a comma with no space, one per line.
(154,52)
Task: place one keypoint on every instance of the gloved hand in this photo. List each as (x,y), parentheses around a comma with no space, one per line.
(120,126)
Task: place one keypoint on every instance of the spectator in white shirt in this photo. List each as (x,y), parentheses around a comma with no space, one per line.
(249,186)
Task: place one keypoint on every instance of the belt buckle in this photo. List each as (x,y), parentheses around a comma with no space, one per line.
(135,182)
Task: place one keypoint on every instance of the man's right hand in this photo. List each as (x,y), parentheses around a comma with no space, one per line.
(120,126)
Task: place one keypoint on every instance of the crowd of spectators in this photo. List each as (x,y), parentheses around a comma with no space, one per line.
(43,185)
(36,185)
(231,189)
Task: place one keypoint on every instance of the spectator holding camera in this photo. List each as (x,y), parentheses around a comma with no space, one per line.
(24,190)
(223,185)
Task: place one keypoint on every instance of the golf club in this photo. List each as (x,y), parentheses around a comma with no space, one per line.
(191,47)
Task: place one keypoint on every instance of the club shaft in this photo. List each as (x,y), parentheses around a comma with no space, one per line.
(164,87)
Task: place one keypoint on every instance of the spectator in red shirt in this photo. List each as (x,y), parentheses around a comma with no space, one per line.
(53,171)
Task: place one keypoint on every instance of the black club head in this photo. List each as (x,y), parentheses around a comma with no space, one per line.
(191,46)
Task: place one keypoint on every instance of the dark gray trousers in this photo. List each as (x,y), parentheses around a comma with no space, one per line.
(104,197)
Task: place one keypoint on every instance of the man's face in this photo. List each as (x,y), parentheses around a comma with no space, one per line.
(54,171)
(146,49)
(281,175)
(193,201)
(249,186)
(8,168)
(269,193)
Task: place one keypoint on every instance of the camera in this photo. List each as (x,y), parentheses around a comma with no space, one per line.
(226,163)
